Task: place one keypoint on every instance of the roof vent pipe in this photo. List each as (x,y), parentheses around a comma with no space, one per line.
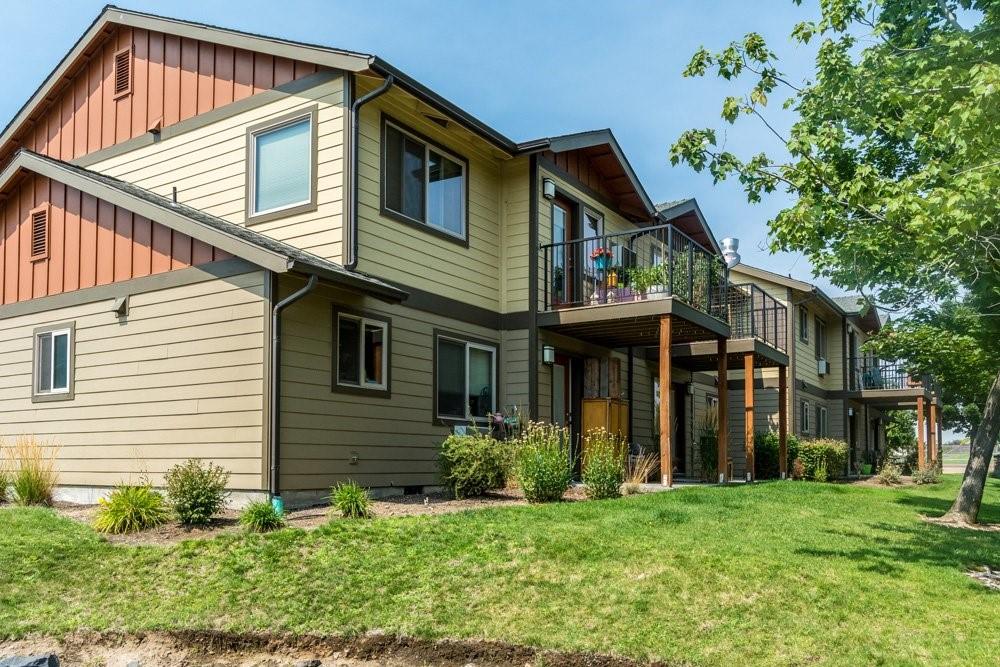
(729,248)
(352,200)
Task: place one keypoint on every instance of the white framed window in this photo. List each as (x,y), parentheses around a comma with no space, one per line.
(281,166)
(52,368)
(804,417)
(465,378)
(822,423)
(362,352)
(423,183)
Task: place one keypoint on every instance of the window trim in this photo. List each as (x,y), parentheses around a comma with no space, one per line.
(384,391)
(822,422)
(312,114)
(70,392)
(429,143)
(492,346)
(804,330)
(804,417)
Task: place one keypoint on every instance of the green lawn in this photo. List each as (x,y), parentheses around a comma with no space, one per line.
(786,573)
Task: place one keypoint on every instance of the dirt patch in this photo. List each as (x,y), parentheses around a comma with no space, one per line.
(986,576)
(311,517)
(215,649)
(874,483)
(953,523)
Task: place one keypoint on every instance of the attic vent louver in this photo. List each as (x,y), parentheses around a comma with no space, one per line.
(39,232)
(123,72)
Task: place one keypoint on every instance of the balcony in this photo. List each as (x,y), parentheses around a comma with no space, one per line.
(888,384)
(753,313)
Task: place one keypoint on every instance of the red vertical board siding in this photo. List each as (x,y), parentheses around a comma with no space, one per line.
(140,82)
(263,72)
(223,79)
(206,77)
(110,109)
(91,242)
(155,80)
(95,101)
(189,78)
(243,77)
(171,80)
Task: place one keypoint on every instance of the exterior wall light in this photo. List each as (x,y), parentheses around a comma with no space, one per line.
(548,188)
(548,355)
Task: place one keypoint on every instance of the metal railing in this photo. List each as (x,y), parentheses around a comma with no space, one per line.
(753,313)
(873,373)
(646,263)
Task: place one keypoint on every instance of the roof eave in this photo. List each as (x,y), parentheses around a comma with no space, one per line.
(691,206)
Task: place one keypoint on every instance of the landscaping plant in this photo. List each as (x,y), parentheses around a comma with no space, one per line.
(473,464)
(351,500)
(708,444)
(32,467)
(823,456)
(129,509)
(4,483)
(889,474)
(604,457)
(766,453)
(197,491)
(640,469)
(260,516)
(929,474)
(798,469)
(543,463)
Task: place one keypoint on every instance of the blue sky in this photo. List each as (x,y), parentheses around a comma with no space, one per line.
(528,68)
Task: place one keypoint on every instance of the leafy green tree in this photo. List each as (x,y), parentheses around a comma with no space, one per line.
(900,431)
(894,164)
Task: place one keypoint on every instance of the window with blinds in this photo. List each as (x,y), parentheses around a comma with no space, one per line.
(282,165)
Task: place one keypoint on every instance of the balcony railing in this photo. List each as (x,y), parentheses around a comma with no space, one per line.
(869,373)
(647,263)
(753,313)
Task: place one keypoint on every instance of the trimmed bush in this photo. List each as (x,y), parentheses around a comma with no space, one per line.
(765,453)
(32,467)
(261,517)
(823,454)
(603,464)
(351,500)
(130,509)
(471,465)
(798,469)
(543,463)
(889,474)
(197,491)
(929,474)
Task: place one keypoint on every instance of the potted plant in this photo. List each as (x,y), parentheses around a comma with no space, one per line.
(601,257)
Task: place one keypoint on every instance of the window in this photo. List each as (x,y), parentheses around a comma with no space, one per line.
(53,363)
(803,324)
(281,174)
(361,353)
(465,379)
(655,256)
(820,339)
(822,425)
(123,72)
(804,424)
(423,183)
(39,233)
(593,223)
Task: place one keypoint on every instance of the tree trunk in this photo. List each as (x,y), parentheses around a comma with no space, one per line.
(970,496)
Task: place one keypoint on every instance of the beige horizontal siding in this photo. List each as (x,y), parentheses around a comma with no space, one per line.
(181,377)
(208,167)
(394,438)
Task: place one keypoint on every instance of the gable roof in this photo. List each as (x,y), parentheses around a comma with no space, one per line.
(237,240)
(687,216)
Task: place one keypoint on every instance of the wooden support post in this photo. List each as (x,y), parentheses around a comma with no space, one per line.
(932,427)
(748,425)
(783,421)
(921,433)
(723,410)
(666,459)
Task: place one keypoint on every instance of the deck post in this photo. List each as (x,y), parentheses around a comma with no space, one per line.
(921,433)
(783,421)
(932,427)
(723,410)
(666,463)
(748,425)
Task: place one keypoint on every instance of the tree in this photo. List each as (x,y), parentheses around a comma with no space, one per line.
(893,162)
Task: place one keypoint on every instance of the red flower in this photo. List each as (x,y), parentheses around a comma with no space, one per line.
(600,252)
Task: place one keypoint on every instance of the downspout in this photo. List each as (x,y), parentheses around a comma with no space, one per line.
(352,200)
(275,490)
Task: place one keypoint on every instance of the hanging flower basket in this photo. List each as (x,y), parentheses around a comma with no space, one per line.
(601,257)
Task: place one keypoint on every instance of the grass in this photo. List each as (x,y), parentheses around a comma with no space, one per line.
(787,573)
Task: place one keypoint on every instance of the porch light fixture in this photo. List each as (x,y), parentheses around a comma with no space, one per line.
(548,355)
(548,188)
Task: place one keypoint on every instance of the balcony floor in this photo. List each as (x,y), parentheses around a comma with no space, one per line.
(637,323)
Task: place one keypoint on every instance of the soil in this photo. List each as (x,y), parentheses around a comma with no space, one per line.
(217,649)
(873,481)
(308,518)
(987,577)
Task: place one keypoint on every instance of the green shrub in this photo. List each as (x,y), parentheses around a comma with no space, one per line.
(820,474)
(603,464)
(351,500)
(798,469)
(471,465)
(261,517)
(823,452)
(708,444)
(929,474)
(130,509)
(32,467)
(889,474)
(543,463)
(197,491)
(767,464)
